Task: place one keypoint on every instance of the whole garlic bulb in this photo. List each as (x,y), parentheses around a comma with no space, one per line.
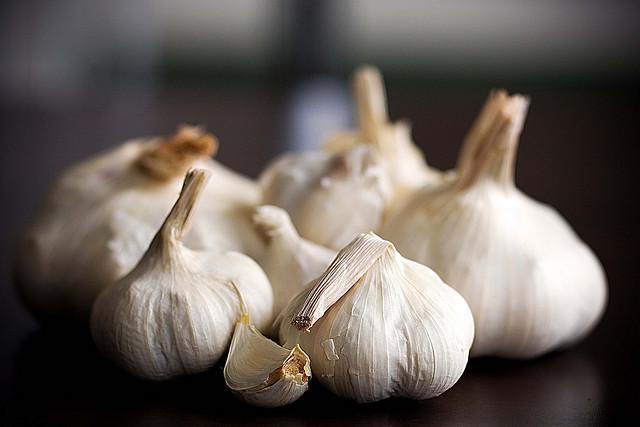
(377,325)
(100,216)
(330,198)
(174,313)
(289,260)
(532,284)
(262,373)
(402,159)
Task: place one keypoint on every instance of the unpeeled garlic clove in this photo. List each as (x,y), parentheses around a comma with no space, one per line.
(532,284)
(378,325)
(73,247)
(174,313)
(330,198)
(289,261)
(262,373)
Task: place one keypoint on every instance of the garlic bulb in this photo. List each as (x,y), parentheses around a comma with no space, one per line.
(403,160)
(532,284)
(262,373)
(378,325)
(100,215)
(174,313)
(289,261)
(331,198)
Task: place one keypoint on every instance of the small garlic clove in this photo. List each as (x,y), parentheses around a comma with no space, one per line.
(289,261)
(174,313)
(262,373)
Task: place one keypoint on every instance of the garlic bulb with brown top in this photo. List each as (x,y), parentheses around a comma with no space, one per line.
(532,284)
(174,313)
(100,215)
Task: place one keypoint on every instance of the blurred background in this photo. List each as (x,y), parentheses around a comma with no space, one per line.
(77,77)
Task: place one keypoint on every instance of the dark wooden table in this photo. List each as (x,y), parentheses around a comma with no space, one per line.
(579,153)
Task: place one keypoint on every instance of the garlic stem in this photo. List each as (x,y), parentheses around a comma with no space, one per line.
(490,147)
(177,223)
(171,157)
(371,101)
(345,270)
(480,126)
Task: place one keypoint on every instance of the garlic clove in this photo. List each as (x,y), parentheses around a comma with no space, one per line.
(330,198)
(378,325)
(532,284)
(402,159)
(174,313)
(289,261)
(71,249)
(262,373)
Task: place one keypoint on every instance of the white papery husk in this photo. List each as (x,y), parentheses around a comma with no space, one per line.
(403,160)
(174,313)
(330,198)
(379,325)
(100,216)
(532,284)
(289,260)
(263,373)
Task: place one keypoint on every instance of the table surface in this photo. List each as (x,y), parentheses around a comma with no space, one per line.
(578,153)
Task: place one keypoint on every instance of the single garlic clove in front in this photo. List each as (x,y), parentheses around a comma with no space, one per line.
(402,159)
(378,325)
(101,214)
(330,198)
(174,313)
(289,261)
(263,373)
(533,286)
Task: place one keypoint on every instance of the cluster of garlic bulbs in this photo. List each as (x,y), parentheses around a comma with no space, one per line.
(471,266)
(100,216)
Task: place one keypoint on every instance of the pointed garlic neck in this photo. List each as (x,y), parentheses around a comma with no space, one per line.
(490,147)
(177,223)
(173,156)
(371,101)
(347,268)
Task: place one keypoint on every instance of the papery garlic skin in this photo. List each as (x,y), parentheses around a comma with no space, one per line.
(403,160)
(330,198)
(100,216)
(532,284)
(174,313)
(396,330)
(289,261)
(262,373)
